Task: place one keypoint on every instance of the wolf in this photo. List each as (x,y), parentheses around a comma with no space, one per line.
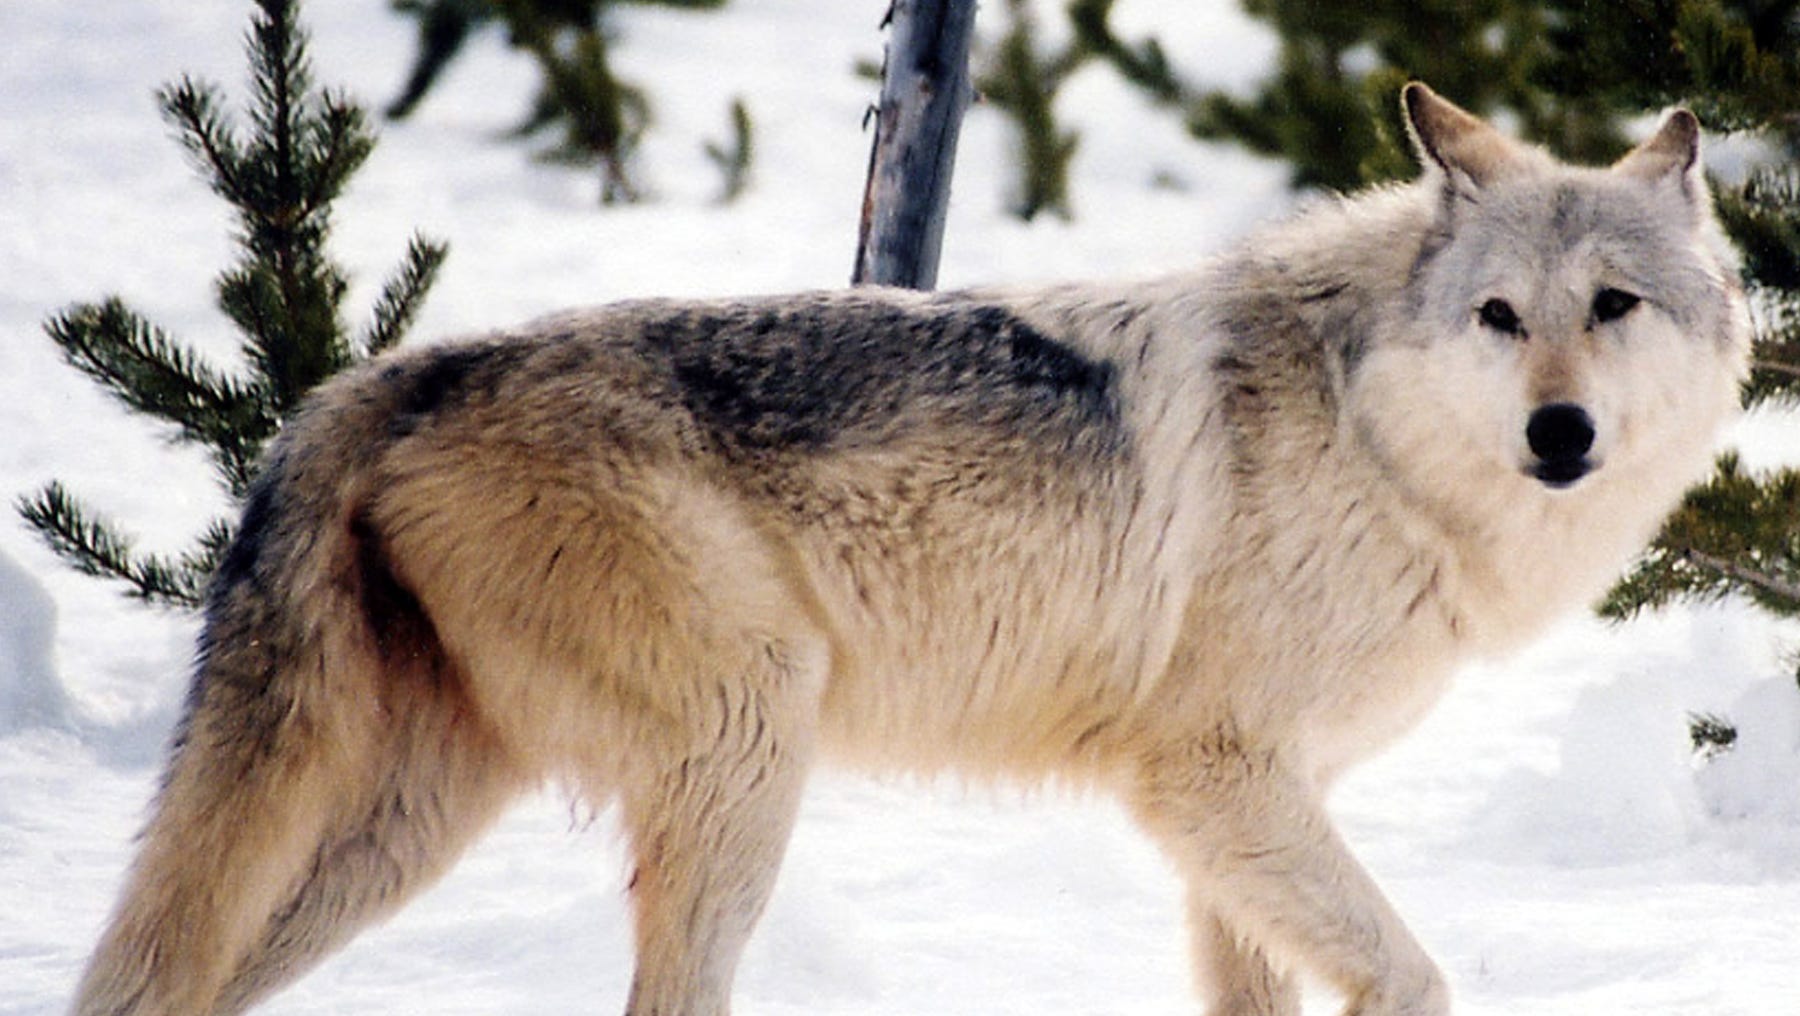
(1201,541)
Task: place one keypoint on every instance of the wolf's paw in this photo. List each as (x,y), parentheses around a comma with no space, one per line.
(1420,993)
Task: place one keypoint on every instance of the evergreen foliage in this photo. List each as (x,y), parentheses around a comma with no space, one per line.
(1738,533)
(1022,83)
(733,158)
(599,119)
(1329,109)
(284,295)
(1021,79)
(1143,64)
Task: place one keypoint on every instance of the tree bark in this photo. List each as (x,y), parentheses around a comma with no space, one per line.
(925,88)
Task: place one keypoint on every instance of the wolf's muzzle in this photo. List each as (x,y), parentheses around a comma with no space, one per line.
(1560,435)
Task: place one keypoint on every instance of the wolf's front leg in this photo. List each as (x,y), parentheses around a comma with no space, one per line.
(1259,854)
(1236,977)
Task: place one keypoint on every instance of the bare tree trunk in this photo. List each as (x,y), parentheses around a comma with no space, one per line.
(925,88)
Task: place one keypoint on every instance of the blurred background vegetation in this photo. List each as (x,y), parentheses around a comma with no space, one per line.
(595,117)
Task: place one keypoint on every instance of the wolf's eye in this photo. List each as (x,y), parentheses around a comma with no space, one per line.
(1612,304)
(1499,315)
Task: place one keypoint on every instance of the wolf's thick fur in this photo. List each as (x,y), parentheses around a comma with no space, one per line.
(1203,542)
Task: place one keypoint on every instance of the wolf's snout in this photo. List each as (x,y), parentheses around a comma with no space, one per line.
(1560,434)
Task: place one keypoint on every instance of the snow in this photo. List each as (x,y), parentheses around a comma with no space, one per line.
(1547,832)
(30,694)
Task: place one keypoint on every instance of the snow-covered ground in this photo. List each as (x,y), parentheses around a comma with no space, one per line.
(1546,832)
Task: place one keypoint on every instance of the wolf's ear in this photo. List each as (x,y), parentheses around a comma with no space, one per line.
(1672,153)
(1471,153)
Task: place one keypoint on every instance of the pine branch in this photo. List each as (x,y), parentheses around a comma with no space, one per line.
(1023,84)
(1763,218)
(94,547)
(193,108)
(444,25)
(341,135)
(280,77)
(1735,534)
(1775,362)
(288,311)
(204,558)
(602,117)
(1744,73)
(142,367)
(145,370)
(305,148)
(405,290)
(1769,585)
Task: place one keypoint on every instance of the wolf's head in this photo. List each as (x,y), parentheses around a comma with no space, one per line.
(1562,329)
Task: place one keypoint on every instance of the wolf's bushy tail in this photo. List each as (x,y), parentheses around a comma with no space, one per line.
(328,762)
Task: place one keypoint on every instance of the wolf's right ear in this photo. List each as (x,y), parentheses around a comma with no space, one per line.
(1469,152)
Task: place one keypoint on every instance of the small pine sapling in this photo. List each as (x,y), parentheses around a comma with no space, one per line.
(1021,78)
(733,157)
(1022,83)
(284,295)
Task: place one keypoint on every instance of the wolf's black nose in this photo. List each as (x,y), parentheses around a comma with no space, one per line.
(1560,435)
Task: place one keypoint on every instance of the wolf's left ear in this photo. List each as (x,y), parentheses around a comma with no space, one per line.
(1470,152)
(1672,153)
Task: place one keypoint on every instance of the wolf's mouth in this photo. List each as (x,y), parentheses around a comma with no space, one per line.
(1559,474)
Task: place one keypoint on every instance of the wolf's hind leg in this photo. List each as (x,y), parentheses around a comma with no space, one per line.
(709,820)
(1236,976)
(1254,839)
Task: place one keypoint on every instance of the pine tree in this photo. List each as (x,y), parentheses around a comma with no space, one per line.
(284,295)
(600,117)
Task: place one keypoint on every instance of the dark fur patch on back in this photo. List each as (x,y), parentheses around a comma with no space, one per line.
(806,376)
(444,378)
(1038,361)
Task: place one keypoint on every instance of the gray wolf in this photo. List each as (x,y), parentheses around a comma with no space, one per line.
(1202,542)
